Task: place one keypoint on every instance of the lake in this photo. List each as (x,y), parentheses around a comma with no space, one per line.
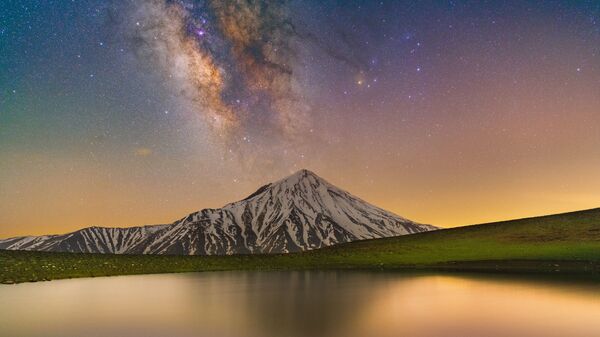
(300,304)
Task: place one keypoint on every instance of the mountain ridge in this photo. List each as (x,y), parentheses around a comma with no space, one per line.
(297,213)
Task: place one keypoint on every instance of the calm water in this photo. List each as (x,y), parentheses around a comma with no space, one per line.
(294,304)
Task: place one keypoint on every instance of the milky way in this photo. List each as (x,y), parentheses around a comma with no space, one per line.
(138,111)
(233,61)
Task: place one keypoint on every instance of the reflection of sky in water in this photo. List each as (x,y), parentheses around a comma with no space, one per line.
(295,304)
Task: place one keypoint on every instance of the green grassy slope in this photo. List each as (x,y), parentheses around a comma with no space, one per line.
(566,242)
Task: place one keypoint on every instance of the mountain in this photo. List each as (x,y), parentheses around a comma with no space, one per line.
(87,240)
(298,213)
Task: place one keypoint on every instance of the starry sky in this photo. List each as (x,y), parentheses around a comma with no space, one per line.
(123,113)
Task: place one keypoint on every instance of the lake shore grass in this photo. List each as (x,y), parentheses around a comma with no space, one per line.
(565,243)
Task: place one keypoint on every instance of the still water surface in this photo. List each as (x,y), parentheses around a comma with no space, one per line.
(300,304)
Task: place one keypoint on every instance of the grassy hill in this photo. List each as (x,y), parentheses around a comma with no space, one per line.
(567,243)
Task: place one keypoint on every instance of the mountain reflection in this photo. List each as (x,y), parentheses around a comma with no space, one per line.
(299,304)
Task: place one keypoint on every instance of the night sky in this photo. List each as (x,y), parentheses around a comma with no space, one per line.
(446,112)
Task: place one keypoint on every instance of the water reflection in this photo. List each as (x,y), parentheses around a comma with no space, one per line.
(299,304)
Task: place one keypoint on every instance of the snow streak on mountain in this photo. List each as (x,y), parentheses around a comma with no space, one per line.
(298,213)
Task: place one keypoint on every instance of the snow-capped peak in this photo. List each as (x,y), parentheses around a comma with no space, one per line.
(300,212)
